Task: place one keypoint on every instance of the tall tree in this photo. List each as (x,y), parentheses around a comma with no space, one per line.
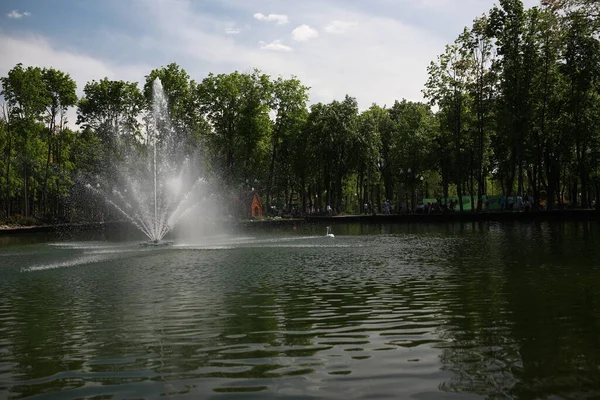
(289,103)
(507,25)
(26,99)
(590,8)
(547,134)
(374,128)
(477,48)
(446,88)
(112,109)
(582,72)
(60,89)
(237,108)
(338,138)
(411,141)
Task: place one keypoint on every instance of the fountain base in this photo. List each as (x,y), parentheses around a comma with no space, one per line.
(157,243)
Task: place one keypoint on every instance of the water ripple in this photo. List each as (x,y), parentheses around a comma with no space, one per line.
(417,314)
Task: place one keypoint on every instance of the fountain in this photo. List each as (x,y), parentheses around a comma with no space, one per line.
(153,178)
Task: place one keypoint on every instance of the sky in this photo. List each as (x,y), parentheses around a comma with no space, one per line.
(377,50)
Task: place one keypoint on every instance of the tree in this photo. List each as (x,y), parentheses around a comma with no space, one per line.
(477,49)
(374,127)
(111,109)
(446,88)
(582,71)
(411,141)
(237,108)
(289,103)
(60,89)
(547,133)
(26,99)
(331,132)
(337,137)
(589,8)
(507,26)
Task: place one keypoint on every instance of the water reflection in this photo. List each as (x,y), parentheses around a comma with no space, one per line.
(524,322)
(496,310)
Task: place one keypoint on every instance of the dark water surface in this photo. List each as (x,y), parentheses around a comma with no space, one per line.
(422,311)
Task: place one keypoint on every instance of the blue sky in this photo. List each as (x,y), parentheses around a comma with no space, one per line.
(375,50)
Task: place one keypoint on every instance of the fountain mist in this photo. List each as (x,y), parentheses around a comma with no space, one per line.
(158,185)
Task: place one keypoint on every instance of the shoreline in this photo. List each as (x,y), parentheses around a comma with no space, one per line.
(453,217)
(493,216)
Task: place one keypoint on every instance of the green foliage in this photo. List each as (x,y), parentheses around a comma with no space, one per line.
(237,108)
(188,124)
(589,8)
(32,96)
(111,108)
(289,105)
(527,115)
(513,106)
(25,93)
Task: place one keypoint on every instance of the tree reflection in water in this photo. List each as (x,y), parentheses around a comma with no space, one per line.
(523,313)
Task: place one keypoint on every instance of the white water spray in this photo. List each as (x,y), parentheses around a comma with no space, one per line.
(155,198)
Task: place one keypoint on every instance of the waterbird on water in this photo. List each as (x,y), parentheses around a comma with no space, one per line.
(329,234)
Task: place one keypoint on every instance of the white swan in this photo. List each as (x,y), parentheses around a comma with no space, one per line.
(329,234)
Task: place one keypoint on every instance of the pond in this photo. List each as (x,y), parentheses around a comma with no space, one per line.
(453,311)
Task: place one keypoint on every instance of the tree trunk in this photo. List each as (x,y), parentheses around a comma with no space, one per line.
(457,132)
(339,193)
(550,193)
(362,193)
(520,166)
(481,172)
(8,159)
(44,197)
(584,183)
(471,188)
(445,191)
(378,208)
(303,195)
(25,197)
(272,168)
(535,183)
(597,180)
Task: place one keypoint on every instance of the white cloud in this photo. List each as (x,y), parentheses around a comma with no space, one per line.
(381,56)
(37,51)
(15,14)
(191,44)
(339,27)
(303,33)
(34,50)
(275,45)
(433,4)
(280,19)
(232,31)
(378,60)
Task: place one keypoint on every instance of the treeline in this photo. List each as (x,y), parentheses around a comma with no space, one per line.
(514,108)
(518,98)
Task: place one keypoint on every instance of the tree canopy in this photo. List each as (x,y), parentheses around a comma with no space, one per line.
(512,107)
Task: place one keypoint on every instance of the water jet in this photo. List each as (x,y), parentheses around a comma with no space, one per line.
(157,186)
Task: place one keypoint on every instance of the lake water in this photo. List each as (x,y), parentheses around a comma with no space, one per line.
(383,311)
